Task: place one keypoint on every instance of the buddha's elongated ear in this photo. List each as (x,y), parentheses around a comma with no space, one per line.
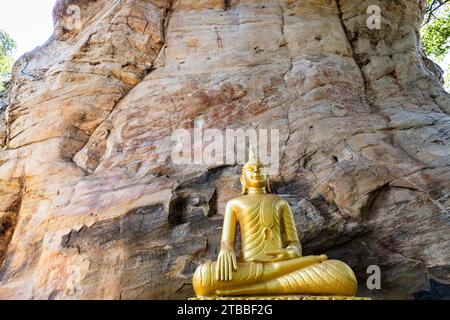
(244,187)
(268,187)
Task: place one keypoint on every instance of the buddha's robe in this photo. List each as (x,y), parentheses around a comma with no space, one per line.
(267,224)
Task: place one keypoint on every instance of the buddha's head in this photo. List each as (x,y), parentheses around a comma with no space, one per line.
(254,175)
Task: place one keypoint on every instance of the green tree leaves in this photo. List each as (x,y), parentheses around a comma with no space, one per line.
(436,36)
(435,33)
(7,46)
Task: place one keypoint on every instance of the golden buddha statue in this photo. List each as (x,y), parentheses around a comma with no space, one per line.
(271,261)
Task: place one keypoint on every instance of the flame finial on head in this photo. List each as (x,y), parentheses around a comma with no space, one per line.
(252,158)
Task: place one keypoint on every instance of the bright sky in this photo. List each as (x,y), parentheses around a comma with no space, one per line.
(446,63)
(28,22)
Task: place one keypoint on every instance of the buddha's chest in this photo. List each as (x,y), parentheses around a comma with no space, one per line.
(259,214)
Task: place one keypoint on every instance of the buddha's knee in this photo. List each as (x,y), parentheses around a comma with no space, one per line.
(341,268)
(203,280)
(344,275)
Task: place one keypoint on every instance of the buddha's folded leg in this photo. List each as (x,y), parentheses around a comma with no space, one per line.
(205,283)
(331,277)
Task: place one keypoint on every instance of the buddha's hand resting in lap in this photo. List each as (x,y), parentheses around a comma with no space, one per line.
(226,263)
(289,253)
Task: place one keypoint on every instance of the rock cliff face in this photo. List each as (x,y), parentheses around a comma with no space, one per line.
(92,206)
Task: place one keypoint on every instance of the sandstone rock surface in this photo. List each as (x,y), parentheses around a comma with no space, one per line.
(92,207)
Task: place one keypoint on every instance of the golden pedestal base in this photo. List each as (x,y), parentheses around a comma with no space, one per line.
(294,298)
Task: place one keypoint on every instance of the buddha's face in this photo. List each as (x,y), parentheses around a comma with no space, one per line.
(255,176)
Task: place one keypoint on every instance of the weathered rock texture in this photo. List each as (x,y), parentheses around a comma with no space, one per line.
(92,207)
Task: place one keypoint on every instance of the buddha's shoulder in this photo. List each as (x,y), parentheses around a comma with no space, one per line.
(275,197)
(280,200)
